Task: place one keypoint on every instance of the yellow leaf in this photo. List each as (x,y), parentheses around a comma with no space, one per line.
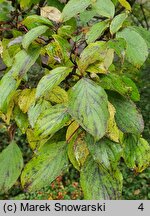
(26,98)
(125,4)
(112,131)
(51,13)
(57,95)
(71,130)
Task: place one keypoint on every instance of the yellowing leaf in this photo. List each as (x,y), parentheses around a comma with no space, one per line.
(125,4)
(26,98)
(42,169)
(77,149)
(34,141)
(71,130)
(99,184)
(136,152)
(88,106)
(112,129)
(51,13)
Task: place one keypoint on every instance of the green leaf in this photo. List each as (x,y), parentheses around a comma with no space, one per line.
(88,105)
(8,86)
(121,84)
(118,45)
(36,109)
(33,34)
(26,99)
(23,62)
(86,16)
(56,3)
(45,167)
(36,20)
(136,152)
(117,22)
(96,31)
(73,7)
(104,8)
(99,184)
(104,152)
(51,120)
(92,53)
(11,163)
(128,118)
(77,149)
(49,81)
(21,119)
(136,50)
(145,34)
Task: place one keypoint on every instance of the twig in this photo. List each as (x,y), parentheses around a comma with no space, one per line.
(145,18)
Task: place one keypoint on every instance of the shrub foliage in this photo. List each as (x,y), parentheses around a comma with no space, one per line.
(81,109)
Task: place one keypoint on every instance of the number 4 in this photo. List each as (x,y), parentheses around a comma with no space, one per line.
(141,207)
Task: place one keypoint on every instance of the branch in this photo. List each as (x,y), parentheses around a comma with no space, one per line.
(145,18)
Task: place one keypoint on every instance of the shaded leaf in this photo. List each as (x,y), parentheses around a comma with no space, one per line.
(34,141)
(51,120)
(99,184)
(49,81)
(21,119)
(88,105)
(128,118)
(30,36)
(121,84)
(117,22)
(104,152)
(45,167)
(136,50)
(105,8)
(118,45)
(11,163)
(136,152)
(73,7)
